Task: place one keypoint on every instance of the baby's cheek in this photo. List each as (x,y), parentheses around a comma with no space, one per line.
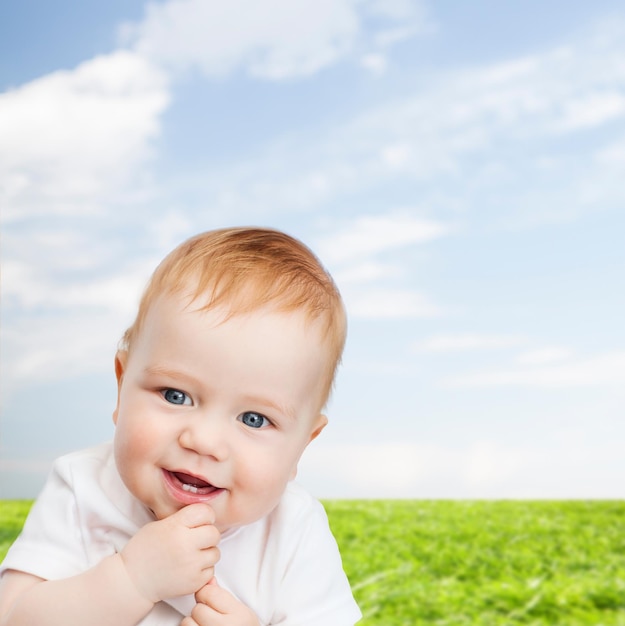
(132,445)
(264,481)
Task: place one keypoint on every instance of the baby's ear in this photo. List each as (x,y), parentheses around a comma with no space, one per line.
(321,421)
(121,358)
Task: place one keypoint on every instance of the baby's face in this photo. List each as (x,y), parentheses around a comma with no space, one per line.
(217,412)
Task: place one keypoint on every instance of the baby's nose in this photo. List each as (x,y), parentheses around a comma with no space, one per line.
(207,436)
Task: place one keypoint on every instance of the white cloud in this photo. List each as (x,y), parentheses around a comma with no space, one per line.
(372,234)
(602,370)
(544,355)
(68,272)
(468,341)
(66,301)
(396,155)
(374,470)
(80,332)
(73,137)
(591,110)
(469,140)
(480,469)
(364,281)
(390,36)
(374,62)
(445,130)
(275,39)
(396,9)
(487,464)
(169,229)
(383,303)
(366,272)
(612,155)
(60,348)
(474,136)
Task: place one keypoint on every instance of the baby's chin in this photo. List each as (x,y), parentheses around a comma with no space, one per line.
(232,520)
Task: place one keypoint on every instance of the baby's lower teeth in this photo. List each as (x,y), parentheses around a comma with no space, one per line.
(191,488)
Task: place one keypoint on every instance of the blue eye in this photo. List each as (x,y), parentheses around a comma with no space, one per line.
(175,396)
(254,420)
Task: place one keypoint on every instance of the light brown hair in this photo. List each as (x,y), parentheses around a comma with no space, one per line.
(246,269)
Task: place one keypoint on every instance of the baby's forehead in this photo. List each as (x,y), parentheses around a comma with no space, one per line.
(181,304)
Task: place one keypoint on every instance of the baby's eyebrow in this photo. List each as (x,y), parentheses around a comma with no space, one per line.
(167,372)
(284,409)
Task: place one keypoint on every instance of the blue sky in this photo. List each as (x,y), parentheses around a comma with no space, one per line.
(459,168)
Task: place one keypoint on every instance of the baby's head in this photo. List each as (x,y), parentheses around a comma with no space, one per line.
(223,375)
(247,269)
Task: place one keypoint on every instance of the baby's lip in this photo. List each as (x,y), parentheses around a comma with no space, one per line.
(191,483)
(190,479)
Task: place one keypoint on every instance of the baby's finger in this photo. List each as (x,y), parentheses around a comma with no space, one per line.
(209,558)
(217,598)
(198,514)
(204,614)
(206,536)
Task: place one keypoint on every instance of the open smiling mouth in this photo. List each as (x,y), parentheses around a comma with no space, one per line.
(192,484)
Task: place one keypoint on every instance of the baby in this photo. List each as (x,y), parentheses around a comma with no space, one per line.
(191,516)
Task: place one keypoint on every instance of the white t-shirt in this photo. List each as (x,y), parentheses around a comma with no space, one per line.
(286,567)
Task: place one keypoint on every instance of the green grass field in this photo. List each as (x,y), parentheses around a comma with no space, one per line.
(479,563)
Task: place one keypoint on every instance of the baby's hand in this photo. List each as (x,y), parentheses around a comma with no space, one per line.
(218,607)
(174,556)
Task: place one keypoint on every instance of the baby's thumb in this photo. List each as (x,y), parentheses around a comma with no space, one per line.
(203,594)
